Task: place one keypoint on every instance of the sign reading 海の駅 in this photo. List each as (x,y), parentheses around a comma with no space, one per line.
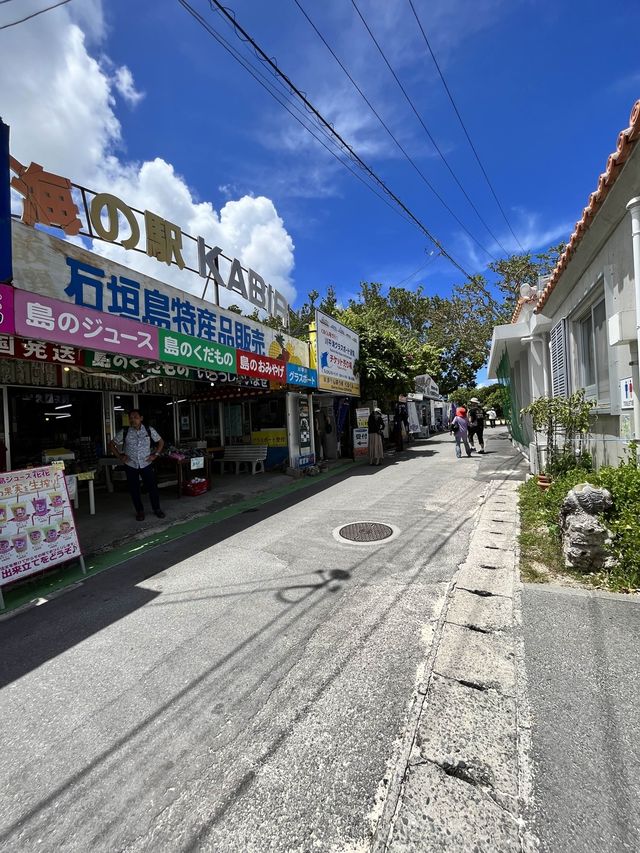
(37,529)
(58,270)
(337,350)
(50,200)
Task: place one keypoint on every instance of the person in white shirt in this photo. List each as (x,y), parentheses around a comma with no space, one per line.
(137,456)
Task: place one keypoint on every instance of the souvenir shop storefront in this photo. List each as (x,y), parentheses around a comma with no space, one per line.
(224,385)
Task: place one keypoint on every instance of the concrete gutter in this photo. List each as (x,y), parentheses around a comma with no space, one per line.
(466,782)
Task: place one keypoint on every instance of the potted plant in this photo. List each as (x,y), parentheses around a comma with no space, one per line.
(560,424)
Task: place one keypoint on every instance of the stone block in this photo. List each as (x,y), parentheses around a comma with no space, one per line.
(443,814)
(487,659)
(473,729)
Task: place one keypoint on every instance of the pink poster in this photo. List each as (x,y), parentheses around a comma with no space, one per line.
(48,319)
(7,325)
(37,527)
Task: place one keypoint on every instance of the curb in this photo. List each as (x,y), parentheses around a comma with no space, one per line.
(42,589)
(465,774)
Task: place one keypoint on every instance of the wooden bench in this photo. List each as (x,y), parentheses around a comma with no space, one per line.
(240,454)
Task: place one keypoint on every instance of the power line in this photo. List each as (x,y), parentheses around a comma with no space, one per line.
(415,272)
(345,145)
(260,78)
(425,128)
(391,134)
(462,124)
(34,15)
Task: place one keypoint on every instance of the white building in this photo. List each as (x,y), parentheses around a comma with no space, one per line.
(581,328)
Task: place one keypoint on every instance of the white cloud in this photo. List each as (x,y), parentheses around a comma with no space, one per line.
(62,115)
(249,228)
(123,81)
(533,233)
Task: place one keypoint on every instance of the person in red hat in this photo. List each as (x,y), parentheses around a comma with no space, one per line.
(459,427)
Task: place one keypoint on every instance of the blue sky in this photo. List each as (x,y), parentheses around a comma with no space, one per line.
(137,94)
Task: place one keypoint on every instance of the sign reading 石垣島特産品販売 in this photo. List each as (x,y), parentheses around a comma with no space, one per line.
(37,528)
(337,351)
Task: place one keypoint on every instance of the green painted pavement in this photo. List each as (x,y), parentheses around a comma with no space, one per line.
(38,590)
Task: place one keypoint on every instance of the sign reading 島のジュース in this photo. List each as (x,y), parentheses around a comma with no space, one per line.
(49,199)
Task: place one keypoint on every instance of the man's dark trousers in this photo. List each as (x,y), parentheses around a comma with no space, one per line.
(479,431)
(149,479)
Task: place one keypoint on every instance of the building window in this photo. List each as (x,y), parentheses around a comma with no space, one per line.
(594,359)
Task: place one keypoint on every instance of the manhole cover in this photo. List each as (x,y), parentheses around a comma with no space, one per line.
(365,531)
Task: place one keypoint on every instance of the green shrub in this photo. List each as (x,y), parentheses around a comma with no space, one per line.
(624,522)
(623,519)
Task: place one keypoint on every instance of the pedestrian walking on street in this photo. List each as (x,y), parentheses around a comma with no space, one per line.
(476,423)
(137,455)
(376,428)
(459,427)
(491,416)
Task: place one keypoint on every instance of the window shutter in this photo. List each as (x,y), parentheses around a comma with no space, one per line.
(559,362)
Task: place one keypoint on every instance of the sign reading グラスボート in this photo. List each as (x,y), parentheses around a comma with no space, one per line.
(337,350)
(37,528)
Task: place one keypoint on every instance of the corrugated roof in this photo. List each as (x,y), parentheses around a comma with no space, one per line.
(627,140)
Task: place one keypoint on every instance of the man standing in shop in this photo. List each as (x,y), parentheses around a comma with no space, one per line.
(137,456)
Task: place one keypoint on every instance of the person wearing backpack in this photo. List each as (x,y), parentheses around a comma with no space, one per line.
(476,423)
(140,447)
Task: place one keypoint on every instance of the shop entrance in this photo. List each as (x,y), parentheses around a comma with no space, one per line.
(324,427)
(42,419)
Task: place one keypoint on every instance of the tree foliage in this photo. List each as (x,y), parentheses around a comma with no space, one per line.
(404,333)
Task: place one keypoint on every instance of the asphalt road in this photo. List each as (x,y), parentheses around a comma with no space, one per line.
(583,669)
(242,689)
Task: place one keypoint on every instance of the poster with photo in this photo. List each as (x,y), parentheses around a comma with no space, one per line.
(37,527)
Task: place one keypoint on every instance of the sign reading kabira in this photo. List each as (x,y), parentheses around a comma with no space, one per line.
(50,200)
(37,529)
(337,351)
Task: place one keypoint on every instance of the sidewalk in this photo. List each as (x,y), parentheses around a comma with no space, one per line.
(583,666)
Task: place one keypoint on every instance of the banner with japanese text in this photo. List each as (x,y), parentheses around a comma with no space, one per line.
(63,323)
(298,375)
(28,349)
(7,325)
(47,265)
(37,528)
(183,349)
(337,351)
(116,363)
(261,367)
